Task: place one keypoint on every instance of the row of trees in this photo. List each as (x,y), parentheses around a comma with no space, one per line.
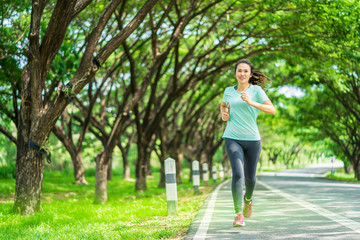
(152,73)
(328,72)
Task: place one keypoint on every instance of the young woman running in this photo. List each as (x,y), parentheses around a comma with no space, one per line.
(242,138)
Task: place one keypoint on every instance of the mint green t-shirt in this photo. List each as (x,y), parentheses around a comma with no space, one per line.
(242,123)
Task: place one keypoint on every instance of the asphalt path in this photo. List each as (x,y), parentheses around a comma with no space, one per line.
(293,204)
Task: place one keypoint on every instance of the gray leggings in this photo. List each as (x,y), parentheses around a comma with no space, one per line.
(242,152)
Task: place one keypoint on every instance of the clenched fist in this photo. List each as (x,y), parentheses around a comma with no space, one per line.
(246,98)
(225,112)
(225,116)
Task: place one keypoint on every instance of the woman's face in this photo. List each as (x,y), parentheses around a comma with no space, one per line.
(243,73)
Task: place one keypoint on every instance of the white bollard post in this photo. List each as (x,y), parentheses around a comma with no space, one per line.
(205,173)
(214,175)
(221,172)
(171,190)
(196,176)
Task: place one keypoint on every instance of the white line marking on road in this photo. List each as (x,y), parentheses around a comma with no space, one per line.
(291,174)
(204,225)
(353,225)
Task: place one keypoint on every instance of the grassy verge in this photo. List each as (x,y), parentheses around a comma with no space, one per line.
(340,174)
(69,211)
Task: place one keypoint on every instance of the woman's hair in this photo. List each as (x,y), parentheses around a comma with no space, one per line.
(257,78)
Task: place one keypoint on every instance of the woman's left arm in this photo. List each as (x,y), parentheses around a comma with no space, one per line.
(266,106)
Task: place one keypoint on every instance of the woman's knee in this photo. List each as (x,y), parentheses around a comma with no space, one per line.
(236,175)
(250,181)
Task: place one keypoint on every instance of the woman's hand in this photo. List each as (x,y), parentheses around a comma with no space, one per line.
(225,116)
(224,109)
(246,98)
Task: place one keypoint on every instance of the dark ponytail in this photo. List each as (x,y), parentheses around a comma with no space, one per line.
(257,78)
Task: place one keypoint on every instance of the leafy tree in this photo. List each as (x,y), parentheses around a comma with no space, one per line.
(41,104)
(328,73)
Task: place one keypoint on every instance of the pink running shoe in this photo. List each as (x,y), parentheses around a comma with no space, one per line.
(239,220)
(247,209)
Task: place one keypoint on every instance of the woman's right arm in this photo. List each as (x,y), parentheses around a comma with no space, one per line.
(224,111)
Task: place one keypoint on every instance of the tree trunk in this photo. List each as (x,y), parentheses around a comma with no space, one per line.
(356,169)
(75,154)
(79,172)
(126,168)
(124,154)
(140,170)
(109,170)
(209,159)
(346,168)
(29,179)
(162,173)
(180,156)
(148,166)
(162,156)
(29,161)
(101,179)
(162,159)
(29,165)
(191,170)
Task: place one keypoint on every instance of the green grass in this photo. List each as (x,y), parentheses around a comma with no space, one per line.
(340,174)
(69,211)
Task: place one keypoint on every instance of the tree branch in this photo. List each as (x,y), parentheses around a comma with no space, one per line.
(96,33)
(8,134)
(80,5)
(119,39)
(55,33)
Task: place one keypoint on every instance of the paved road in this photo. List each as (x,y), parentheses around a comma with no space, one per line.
(297,204)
